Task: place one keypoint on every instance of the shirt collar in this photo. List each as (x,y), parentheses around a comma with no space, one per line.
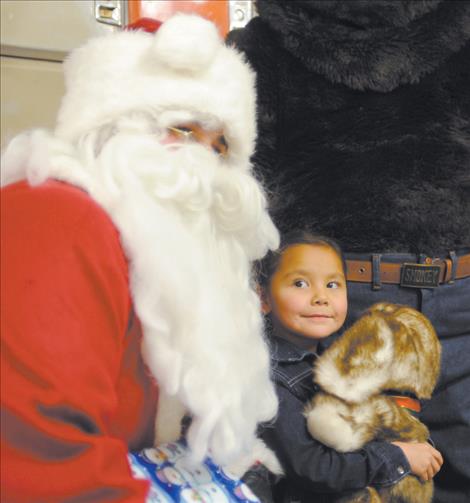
(284,351)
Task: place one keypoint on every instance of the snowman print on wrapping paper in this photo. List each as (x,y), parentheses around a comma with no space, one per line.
(182,472)
(166,453)
(156,494)
(207,493)
(176,479)
(202,488)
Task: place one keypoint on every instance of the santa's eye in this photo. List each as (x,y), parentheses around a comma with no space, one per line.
(182,131)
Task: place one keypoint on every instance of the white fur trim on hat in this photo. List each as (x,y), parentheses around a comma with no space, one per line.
(183,67)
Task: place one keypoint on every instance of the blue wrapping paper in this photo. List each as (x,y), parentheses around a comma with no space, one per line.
(174,478)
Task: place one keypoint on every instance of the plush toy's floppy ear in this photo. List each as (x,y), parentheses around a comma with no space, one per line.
(359,363)
(390,347)
(417,352)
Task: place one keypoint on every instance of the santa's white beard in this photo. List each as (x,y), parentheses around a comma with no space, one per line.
(190,226)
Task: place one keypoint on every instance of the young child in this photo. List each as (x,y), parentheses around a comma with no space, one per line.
(303,292)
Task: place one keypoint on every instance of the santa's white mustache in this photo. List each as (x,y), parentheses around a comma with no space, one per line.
(189,177)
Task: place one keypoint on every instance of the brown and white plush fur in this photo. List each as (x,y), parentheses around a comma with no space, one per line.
(391,347)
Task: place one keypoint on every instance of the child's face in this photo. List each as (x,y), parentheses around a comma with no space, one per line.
(307,294)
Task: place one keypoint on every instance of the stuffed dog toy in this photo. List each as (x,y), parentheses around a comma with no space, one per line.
(371,381)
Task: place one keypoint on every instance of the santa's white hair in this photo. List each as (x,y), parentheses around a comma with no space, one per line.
(190,225)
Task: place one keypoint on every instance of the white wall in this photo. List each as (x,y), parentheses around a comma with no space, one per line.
(36,35)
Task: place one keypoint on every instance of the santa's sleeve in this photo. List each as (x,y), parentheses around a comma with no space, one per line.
(65,306)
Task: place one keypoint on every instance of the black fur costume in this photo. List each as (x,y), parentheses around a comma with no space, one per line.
(364,135)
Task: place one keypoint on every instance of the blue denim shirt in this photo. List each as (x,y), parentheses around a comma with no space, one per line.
(313,471)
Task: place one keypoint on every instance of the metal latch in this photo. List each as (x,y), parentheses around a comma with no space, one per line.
(240,12)
(110,12)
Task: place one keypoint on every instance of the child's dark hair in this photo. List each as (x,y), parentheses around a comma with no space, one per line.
(265,268)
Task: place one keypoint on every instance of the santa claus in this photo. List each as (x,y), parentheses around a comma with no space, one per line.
(127,239)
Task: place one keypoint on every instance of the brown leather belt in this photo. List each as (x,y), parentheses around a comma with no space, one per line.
(361,270)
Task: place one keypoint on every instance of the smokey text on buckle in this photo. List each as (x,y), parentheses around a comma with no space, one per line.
(419,275)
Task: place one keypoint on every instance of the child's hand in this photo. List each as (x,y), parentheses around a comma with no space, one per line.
(424,460)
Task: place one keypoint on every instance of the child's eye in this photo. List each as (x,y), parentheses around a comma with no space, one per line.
(300,283)
(333,284)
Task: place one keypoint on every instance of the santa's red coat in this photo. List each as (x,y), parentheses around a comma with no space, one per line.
(75,394)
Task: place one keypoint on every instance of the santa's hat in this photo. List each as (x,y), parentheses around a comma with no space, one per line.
(183,71)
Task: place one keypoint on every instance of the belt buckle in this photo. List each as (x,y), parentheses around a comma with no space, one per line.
(419,275)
